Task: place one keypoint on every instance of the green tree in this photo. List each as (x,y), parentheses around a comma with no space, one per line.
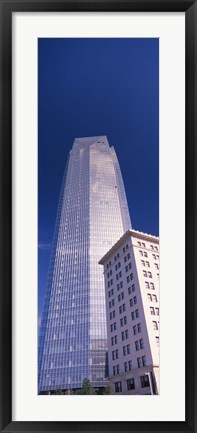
(87,388)
(107,390)
(57,392)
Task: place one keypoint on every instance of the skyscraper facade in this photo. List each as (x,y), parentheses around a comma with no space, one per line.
(92,214)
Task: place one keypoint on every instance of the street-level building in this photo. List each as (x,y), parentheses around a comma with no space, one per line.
(131,271)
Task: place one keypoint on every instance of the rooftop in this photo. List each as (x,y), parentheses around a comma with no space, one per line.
(128,234)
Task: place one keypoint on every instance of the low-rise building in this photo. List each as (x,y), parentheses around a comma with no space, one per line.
(131,271)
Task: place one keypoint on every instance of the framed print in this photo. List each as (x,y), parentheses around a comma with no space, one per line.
(98,216)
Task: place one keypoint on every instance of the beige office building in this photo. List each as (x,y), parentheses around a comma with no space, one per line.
(131,270)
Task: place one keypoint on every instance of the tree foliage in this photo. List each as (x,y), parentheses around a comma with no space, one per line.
(87,388)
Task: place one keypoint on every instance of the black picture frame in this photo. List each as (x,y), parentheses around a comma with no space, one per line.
(6,9)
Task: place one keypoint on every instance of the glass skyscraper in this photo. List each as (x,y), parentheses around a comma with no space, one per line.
(92,215)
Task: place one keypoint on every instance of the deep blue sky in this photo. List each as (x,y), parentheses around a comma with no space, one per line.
(90,87)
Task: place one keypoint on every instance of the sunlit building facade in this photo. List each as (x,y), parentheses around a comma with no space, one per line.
(132,306)
(92,214)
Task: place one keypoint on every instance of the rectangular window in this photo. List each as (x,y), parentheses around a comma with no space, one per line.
(130,384)
(114,314)
(141,343)
(144,381)
(155,326)
(152,310)
(149,274)
(126,334)
(137,313)
(139,328)
(118,369)
(157,311)
(133,315)
(129,290)
(116,353)
(125,320)
(154,298)
(135,329)
(152,287)
(114,370)
(126,268)
(121,284)
(128,279)
(144,273)
(118,287)
(139,362)
(124,350)
(121,322)
(118,386)
(143,245)
(135,300)
(145,254)
(141,252)
(125,366)
(137,346)
(143,262)
(149,297)
(130,265)
(130,365)
(146,284)
(122,334)
(143,361)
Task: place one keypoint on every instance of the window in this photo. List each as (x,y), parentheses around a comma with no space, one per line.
(130,384)
(124,250)
(149,274)
(145,254)
(114,314)
(152,286)
(131,277)
(154,256)
(116,267)
(139,243)
(124,350)
(141,343)
(111,327)
(119,264)
(135,329)
(125,320)
(146,284)
(127,246)
(130,265)
(144,273)
(149,297)
(128,279)
(118,298)
(128,349)
(137,346)
(113,354)
(155,325)
(157,311)
(129,290)
(116,353)
(143,262)
(156,249)
(114,370)
(157,341)
(118,255)
(118,386)
(144,381)
(130,365)
(125,258)
(141,252)
(152,247)
(121,322)
(143,361)
(136,313)
(115,258)
(156,265)
(133,315)
(125,366)
(143,244)
(118,369)
(148,264)
(139,362)
(133,287)
(152,310)
(128,256)
(139,327)
(121,284)
(126,268)
(118,287)
(126,334)
(154,297)
(122,334)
